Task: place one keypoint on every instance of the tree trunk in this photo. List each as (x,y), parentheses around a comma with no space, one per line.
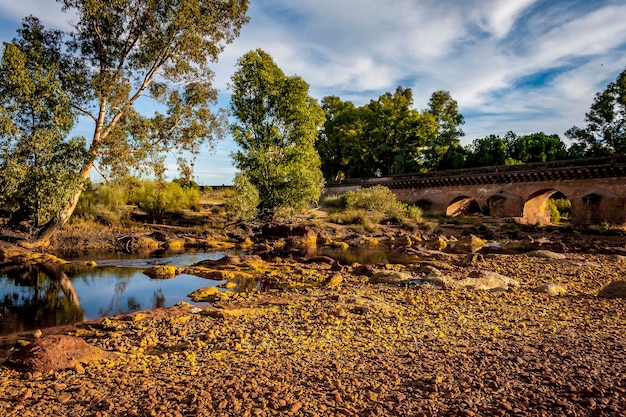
(42,238)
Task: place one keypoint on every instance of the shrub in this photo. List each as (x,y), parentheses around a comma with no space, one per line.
(157,198)
(555,216)
(244,202)
(564,206)
(377,198)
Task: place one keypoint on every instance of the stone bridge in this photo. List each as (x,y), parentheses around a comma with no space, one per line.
(596,188)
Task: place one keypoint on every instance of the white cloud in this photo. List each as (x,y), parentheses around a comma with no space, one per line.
(498,17)
(485,52)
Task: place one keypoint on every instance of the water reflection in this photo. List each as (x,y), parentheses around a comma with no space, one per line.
(37,296)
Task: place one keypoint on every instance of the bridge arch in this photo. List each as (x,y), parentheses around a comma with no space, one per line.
(537,208)
(463,206)
(597,206)
(504,204)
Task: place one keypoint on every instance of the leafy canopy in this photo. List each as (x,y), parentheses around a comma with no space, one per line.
(275,126)
(38,163)
(123,50)
(605,133)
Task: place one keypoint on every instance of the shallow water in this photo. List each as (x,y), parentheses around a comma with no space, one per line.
(35,297)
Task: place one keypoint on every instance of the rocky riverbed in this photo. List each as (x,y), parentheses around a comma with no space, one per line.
(523,335)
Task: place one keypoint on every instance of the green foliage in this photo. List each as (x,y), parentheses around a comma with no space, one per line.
(366,218)
(120,51)
(445,111)
(156,198)
(378,198)
(276,129)
(511,149)
(243,204)
(369,206)
(386,136)
(564,207)
(555,215)
(110,202)
(39,165)
(414,212)
(605,133)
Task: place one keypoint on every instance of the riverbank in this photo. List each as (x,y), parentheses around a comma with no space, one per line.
(375,341)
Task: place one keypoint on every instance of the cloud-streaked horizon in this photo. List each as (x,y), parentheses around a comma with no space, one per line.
(520,65)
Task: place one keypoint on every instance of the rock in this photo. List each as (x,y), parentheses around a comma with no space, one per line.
(468,244)
(143,242)
(487,280)
(438,281)
(207,294)
(438,244)
(158,236)
(546,254)
(174,244)
(427,269)
(616,289)
(56,352)
(389,277)
(334,281)
(551,289)
(472,259)
(162,271)
(366,270)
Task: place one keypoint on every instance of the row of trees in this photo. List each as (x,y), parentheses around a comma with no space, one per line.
(119,52)
(387,136)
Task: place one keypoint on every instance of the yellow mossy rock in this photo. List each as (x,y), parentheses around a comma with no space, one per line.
(162,271)
(218,274)
(174,244)
(438,243)
(246,244)
(145,242)
(215,244)
(334,281)
(340,245)
(204,294)
(228,285)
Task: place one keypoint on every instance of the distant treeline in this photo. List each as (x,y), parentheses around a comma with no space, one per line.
(387,136)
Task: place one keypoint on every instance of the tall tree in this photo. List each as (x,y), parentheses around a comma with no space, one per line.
(38,164)
(396,133)
(605,132)
(445,111)
(339,143)
(123,50)
(276,129)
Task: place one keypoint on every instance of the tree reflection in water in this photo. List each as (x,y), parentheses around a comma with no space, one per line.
(158,299)
(45,298)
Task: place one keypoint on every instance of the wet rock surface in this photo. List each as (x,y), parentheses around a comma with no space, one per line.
(357,348)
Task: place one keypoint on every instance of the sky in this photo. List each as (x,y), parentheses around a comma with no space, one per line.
(512,65)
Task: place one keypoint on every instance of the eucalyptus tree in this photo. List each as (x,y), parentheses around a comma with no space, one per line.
(275,124)
(340,140)
(38,163)
(445,110)
(120,51)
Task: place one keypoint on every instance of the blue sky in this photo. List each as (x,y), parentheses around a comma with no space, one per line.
(520,65)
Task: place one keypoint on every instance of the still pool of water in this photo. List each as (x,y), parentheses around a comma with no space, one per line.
(41,296)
